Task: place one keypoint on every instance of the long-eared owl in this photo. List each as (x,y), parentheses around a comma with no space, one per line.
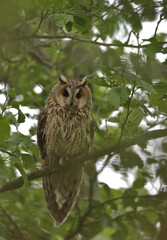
(65,130)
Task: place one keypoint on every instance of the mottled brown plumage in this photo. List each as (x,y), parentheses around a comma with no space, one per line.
(65,130)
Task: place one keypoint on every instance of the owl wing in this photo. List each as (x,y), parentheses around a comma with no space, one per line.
(61,191)
(41,136)
(92,130)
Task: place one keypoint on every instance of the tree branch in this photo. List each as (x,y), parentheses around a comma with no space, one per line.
(128,142)
(37,173)
(72,37)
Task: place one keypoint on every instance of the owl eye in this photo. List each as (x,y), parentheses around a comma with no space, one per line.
(65,93)
(78,95)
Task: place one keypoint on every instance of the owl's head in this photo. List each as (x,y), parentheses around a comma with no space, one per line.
(71,95)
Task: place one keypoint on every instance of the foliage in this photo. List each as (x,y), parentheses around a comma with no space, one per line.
(103,40)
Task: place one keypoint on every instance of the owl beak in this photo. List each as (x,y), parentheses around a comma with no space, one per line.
(72,102)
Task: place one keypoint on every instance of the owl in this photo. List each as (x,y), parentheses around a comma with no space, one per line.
(65,130)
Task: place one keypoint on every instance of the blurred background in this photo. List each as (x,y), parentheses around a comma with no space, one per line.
(122,47)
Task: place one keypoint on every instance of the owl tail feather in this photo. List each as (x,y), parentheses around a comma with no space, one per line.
(61,191)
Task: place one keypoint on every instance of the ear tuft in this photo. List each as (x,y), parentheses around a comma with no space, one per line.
(84,81)
(62,79)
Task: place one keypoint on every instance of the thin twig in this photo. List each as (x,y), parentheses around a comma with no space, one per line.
(43,15)
(146,196)
(158,23)
(127,114)
(106,162)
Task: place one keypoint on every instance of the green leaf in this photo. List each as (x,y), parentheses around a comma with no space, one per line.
(136,116)
(160,97)
(4,129)
(15,104)
(129,200)
(113,119)
(23,173)
(146,86)
(118,96)
(86,4)
(82,22)
(18,138)
(62,19)
(163,105)
(21,116)
(11,118)
(28,161)
(134,119)
(131,77)
(145,109)
(101,81)
(130,159)
(105,234)
(105,191)
(154,47)
(139,183)
(69,26)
